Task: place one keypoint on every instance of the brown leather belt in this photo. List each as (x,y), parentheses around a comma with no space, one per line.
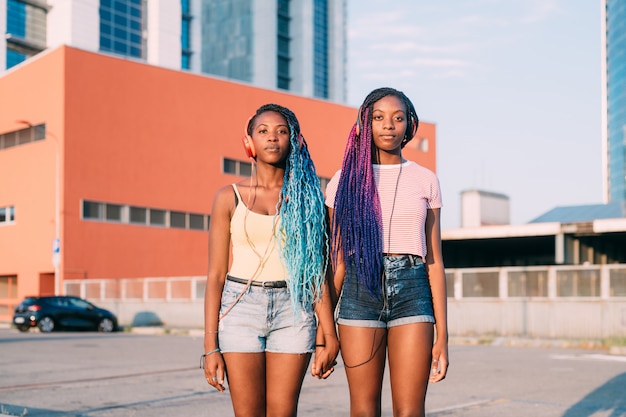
(264,284)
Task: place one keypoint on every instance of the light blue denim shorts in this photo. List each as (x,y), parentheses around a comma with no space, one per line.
(263,320)
(406,298)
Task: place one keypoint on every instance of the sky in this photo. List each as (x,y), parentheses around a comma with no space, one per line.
(513,87)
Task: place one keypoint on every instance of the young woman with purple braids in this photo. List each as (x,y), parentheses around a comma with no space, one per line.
(389,270)
(260,324)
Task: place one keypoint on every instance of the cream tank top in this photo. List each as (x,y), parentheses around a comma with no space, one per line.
(255,241)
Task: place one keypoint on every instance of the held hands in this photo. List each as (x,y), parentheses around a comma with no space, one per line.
(325,355)
(439,365)
(213,365)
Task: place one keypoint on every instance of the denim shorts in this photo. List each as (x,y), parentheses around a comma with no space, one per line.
(406,298)
(263,320)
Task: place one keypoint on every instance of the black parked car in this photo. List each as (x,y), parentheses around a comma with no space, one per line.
(67,312)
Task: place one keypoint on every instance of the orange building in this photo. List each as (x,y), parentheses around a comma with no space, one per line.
(119,161)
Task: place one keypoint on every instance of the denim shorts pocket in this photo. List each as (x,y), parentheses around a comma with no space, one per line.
(229,296)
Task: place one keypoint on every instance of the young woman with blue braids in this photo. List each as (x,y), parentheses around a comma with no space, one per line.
(260,324)
(389,270)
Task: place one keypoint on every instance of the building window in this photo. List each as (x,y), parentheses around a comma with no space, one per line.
(8,286)
(185,35)
(120,213)
(113,212)
(122,23)
(138,215)
(22,136)
(231,166)
(283,57)
(320,48)
(157,217)
(178,219)
(14,58)
(7,215)
(421,144)
(26,30)
(92,210)
(196,221)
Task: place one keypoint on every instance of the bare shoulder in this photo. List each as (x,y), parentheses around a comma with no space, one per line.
(224,198)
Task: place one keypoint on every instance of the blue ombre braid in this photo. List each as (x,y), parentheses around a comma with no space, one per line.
(302,215)
(357,221)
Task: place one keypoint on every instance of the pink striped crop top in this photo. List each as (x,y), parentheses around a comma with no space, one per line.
(417,191)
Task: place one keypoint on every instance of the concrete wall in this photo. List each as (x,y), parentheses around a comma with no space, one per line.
(529,319)
(538,319)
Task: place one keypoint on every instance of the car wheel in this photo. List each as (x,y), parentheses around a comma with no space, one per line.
(106,325)
(23,327)
(46,325)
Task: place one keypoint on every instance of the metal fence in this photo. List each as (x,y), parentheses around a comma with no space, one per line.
(138,289)
(537,282)
(571,302)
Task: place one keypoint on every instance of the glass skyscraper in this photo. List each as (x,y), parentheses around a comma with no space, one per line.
(297,46)
(614,99)
(293,45)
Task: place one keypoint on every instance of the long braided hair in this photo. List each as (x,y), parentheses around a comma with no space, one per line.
(302,213)
(357,220)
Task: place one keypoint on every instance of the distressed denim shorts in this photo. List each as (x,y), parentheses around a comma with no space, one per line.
(406,299)
(263,320)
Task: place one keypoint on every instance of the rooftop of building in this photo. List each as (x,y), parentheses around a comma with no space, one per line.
(583,213)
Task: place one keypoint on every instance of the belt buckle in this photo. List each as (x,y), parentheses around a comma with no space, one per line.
(267,284)
(416,260)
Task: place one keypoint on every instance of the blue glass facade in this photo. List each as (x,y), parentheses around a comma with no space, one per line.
(14,58)
(297,46)
(26,31)
(283,58)
(16,18)
(616,98)
(121,27)
(227,38)
(320,48)
(185,35)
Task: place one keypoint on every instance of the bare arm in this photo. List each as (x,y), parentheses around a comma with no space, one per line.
(326,337)
(437,279)
(326,340)
(339,267)
(219,249)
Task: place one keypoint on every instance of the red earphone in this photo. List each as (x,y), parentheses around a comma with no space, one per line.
(248,144)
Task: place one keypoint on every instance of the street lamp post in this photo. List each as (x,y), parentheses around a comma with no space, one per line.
(56,243)
(56,246)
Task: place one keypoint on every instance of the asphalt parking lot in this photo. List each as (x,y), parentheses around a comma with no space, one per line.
(130,374)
